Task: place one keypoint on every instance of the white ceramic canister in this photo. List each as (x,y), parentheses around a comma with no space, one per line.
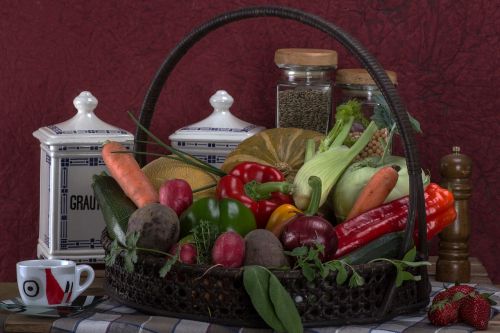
(214,137)
(71,222)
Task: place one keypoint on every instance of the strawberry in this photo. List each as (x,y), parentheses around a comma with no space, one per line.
(475,311)
(451,293)
(443,312)
(445,294)
(461,288)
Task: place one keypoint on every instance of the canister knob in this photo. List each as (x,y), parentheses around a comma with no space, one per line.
(221,101)
(85,102)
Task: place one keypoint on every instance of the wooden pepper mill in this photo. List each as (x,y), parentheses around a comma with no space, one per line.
(453,263)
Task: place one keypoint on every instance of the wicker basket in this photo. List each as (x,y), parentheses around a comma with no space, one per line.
(218,296)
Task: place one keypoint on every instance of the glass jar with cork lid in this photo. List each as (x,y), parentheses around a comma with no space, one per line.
(304,91)
(356,83)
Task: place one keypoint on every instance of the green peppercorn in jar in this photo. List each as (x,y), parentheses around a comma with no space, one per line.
(304,91)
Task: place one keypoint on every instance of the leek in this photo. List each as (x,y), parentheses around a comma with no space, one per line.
(332,157)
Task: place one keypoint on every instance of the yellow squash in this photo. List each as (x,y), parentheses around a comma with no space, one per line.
(163,168)
(283,148)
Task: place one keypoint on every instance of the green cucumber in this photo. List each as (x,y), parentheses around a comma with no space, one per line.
(115,206)
(386,246)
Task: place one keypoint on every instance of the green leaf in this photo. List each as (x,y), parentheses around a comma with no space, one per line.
(356,280)
(169,263)
(129,265)
(324,271)
(284,306)
(132,239)
(415,263)
(341,274)
(299,251)
(204,236)
(410,255)
(308,272)
(383,117)
(114,251)
(311,254)
(405,276)
(256,283)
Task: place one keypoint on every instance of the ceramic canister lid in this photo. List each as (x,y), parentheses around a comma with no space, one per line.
(221,125)
(84,127)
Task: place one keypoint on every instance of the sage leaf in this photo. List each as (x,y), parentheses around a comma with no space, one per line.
(284,306)
(256,283)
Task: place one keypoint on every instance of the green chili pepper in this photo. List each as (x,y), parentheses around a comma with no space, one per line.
(227,214)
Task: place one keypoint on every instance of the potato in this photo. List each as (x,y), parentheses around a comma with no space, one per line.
(158,226)
(264,249)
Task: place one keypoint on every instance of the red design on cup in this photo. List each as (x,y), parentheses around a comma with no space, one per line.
(54,292)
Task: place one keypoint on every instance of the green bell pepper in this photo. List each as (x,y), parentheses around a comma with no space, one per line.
(227,214)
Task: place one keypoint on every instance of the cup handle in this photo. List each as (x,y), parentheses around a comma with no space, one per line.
(81,288)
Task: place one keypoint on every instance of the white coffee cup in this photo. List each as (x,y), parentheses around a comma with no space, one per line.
(51,282)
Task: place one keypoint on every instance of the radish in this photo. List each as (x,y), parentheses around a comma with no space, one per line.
(188,253)
(176,194)
(229,250)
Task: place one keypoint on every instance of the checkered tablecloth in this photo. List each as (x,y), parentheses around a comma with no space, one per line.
(112,317)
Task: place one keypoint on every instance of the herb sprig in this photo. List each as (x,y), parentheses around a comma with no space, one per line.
(401,265)
(130,257)
(204,236)
(308,260)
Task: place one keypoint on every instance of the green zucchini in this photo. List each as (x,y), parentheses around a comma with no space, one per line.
(115,206)
(386,246)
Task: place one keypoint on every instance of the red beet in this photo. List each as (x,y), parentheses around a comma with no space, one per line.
(176,194)
(229,250)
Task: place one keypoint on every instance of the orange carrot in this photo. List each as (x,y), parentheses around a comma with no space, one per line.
(128,174)
(375,191)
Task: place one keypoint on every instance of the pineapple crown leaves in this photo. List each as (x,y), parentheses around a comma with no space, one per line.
(383,117)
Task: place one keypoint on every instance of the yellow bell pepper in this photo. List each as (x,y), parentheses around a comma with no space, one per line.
(280,217)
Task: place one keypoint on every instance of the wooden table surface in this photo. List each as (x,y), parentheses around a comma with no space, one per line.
(21,323)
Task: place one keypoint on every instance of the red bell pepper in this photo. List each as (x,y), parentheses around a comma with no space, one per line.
(391,217)
(260,187)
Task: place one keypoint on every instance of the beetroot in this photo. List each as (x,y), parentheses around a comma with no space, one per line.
(229,250)
(188,253)
(176,194)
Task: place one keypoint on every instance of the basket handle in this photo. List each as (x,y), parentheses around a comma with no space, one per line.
(417,207)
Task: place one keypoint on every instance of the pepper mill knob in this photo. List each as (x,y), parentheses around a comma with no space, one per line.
(221,101)
(85,102)
(453,263)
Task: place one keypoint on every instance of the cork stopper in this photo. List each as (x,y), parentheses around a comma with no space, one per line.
(456,165)
(360,76)
(306,57)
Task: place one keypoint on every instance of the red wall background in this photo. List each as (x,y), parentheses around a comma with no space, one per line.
(446,54)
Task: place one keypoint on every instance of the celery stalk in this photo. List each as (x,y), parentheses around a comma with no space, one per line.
(328,166)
